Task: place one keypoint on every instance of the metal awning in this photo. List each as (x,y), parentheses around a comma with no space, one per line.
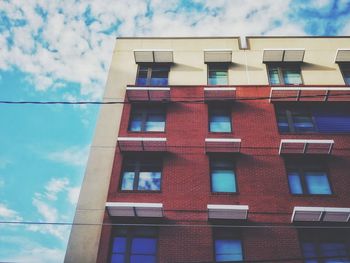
(342,55)
(228,145)
(284,55)
(222,93)
(321,214)
(235,212)
(217,55)
(278,94)
(160,94)
(154,55)
(135,209)
(297,146)
(141,144)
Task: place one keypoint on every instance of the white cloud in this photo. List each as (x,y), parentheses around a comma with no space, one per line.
(2,182)
(76,156)
(48,212)
(55,186)
(8,214)
(73,194)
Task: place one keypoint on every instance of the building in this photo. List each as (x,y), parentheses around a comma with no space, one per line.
(220,153)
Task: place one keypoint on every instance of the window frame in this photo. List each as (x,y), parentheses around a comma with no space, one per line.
(345,71)
(228,159)
(318,237)
(281,67)
(304,166)
(150,69)
(223,234)
(137,164)
(132,233)
(224,65)
(145,111)
(217,108)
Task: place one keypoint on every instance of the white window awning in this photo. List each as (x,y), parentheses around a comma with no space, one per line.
(342,55)
(320,214)
(284,55)
(154,55)
(217,55)
(141,144)
(280,94)
(220,94)
(228,145)
(299,146)
(234,212)
(160,94)
(135,209)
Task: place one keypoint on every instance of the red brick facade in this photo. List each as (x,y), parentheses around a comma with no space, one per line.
(261,178)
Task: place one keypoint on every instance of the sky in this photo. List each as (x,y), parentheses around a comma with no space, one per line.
(61,51)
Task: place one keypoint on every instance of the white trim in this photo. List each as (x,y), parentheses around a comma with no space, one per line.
(148,88)
(222,140)
(308,88)
(130,204)
(283,49)
(230,207)
(149,139)
(217,50)
(306,141)
(322,211)
(157,49)
(220,88)
(336,53)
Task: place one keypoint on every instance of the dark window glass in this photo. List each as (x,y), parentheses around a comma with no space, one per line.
(217,74)
(325,247)
(134,245)
(227,246)
(308,179)
(141,175)
(153,75)
(223,178)
(345,68)
(284,75)
(147,119)
(219,119)
(326,119)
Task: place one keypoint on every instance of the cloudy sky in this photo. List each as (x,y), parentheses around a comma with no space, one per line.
(61,50)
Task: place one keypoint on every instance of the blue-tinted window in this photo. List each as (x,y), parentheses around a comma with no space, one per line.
(219,119)
(284,74)
(134,244)
(217,74)
(223,178)
(327,119)
(307,180)
(228,250)
(141,175)
(147,119)
(345,68)
(153,75)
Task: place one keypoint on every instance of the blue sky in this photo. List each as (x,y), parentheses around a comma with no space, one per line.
(61,50)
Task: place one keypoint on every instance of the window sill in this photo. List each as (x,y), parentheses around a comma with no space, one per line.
(224,193)
(314,195)
(139,192)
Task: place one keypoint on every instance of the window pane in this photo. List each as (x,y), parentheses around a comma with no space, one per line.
(144,246)
(149,181)
(292,77)
(346,74)
(155,122)
(282,122)
(223,181)
(142,76)
(317,183)
(136,122)
(294,183)
(220,123)
(128,180)
(117,258)
(142,259)
(159,76)
(119,245)
(303,123)
(228,250)
(217,78)
(273,76)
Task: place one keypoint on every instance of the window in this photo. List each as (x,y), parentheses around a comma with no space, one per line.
(309,179)
(219,119)
(326,119)
(284,74)
(325,246)
(134,244)
(141,174)
(227,246)
(153,75)
(147,119)
(223,178)
(345,69)
(217,74)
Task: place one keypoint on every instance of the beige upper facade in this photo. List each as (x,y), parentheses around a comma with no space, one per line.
(318,67)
